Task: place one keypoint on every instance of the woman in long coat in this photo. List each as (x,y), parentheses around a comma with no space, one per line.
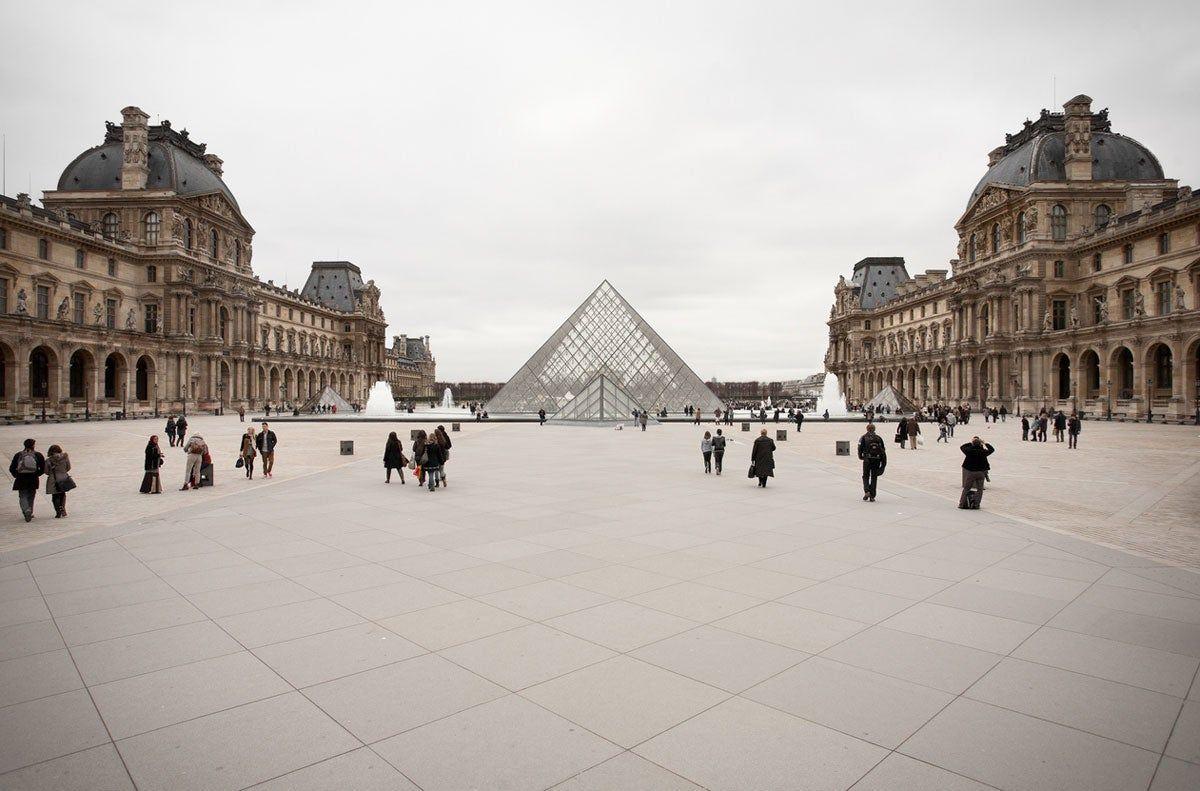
(393,457)
(154,459)
(762,459)
(418,448)
(902,432)
(58,465)
(248,451)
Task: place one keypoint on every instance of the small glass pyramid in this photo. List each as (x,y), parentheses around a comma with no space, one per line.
(605,337)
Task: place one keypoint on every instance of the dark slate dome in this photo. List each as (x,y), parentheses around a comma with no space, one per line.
(1038,153)
(175,163)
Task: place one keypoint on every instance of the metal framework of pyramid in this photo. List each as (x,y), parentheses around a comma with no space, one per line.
(327,397)
(605,337)
(601,401)
(892,398)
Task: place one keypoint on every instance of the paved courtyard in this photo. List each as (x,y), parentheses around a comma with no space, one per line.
(584,609)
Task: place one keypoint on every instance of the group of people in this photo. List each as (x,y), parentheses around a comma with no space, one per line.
(872,452)
(29,465)
(1034,429)
(197,466)
(430,452)
(762,455)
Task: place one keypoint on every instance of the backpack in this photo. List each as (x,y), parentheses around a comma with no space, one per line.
(27,463)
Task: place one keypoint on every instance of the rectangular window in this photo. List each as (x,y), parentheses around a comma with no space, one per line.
(80,259)
(4,238)
(110,313)
(1164,243)
(1096,262)
(867,324)
(291,314)
(192,321)
(1129,254)
(278,311)
(151,274)
(152,318)
(112,267)
(922,311)
(1163,291)
(80,315)
(1127,304)
(43,249)
(43,302)
(3,295)
(1058,313)
(1060,269)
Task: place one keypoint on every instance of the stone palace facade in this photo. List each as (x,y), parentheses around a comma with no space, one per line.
(132,290)
(1075,286)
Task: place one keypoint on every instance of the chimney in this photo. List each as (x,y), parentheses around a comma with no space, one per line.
(135,167)
(427,344)
(995,155)
(215,163)
(1078,112)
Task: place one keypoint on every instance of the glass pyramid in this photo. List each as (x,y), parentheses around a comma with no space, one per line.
(604,337)
(600,400)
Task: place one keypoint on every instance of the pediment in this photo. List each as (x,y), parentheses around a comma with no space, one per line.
(993,196)
(83,285)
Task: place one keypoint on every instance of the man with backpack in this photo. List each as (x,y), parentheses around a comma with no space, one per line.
(873,453)
(27,466)
(975,467)
(718,447)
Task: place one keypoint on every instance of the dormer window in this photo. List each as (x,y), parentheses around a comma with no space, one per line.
(110,226)
(1103,213)
(1058,223)
(153,226)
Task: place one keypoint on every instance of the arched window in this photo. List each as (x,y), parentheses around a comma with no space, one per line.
(1102,215)
(971,250)
(214,242)
(187,234)
(1058,223)
(1021,228)
(110,225)
(995,238)
(152,228)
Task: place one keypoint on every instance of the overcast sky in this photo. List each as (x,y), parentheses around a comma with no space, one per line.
(488,164)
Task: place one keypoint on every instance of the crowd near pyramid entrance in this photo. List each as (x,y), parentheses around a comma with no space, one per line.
(613,359)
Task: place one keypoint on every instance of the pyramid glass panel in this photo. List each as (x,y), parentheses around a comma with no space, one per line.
(601,400)
(604,336)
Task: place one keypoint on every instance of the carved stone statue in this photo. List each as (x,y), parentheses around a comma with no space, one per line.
(1139,304)
(22,303)
(64,308)
(1102,307)
(98,314)
(1047,322)
(1180,299)
(1074,318)
(130,320)
(1031,218)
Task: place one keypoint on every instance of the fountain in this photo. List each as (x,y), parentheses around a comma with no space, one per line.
(380,402)
(832,398)
(447,399)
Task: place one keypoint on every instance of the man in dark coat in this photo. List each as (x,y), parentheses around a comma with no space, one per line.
(975,466)
(171,430)
(27,466)
(180,430)
(762,459)
(541,417)
(873,453)
(799,420)
(265,442)
(1060,425)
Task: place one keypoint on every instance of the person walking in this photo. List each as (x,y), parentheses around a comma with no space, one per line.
(642,419)
(1003,413)
(1024,428)
(27,466)
(718,446)
(541,417)
(181,427)
(196,450)
(151,483)
(762,459)
(943,432)
(248,451)
(171,429)
(873,453)
(241,414)
(58,479)
(706,450)
(951,420)
(914,432)
(902,433)
(431,462)
(799,421)
(418,449)
(1060,425)
(1043,424)
(393,458)
(443,441)
(1074,426)
(265,442)
(975,466)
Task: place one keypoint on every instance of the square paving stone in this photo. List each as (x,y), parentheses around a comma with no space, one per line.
(876,708)
(388,700)
(37,676)
(236,747)
(127,620)
(1127,663)
(624,700)
(724,659)
(164,697)
(619,581)
(893,583)
(350,578)
(626,771)
(1185,739)
(553,564)
(19,611)
(122,657)
(923,660)
(803,630)
(480,580)
(1001,603)
(1014,751)
(24,639)
(1160,633)
(247,598)
(739,745)
(287,622)
(507,744)
(760,583)
(977,630)
(341,652)
(1176,775)
(900,773)
(397,598)
(48,728)
(360,770)
(527,655)
(620,625)
(94,769)
(440,627)
(543,600)
(696,602)
(1118,711)
(75,602)
(854,603)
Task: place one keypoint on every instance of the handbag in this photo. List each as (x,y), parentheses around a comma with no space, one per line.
(239,463)
(920,440)
(65,483)
(750,474)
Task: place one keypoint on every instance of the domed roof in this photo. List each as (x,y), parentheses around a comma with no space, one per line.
(175,164)
(1038,153)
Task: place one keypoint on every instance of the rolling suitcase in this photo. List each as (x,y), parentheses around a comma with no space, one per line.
(206,475)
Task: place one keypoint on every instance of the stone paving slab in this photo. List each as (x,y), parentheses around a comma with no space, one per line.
(561,617)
